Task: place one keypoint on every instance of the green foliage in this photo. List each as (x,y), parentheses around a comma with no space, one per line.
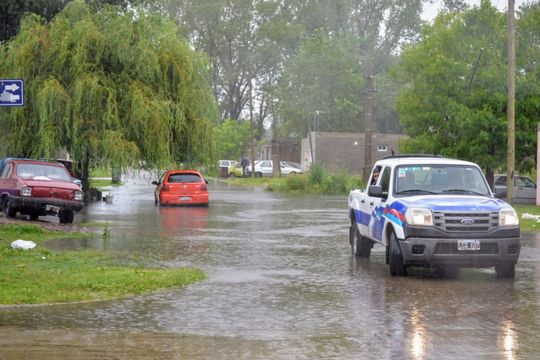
(296,182)
(315,181)
(321,85)
(316,174)
(455,101)
(112,87)
(232,139)
(265,41)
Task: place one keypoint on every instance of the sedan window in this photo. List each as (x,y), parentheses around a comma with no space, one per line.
(6,171)
(184,178)
(42,172)
(525,182)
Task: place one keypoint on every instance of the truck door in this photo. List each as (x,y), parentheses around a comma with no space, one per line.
(364,217)
(378,206)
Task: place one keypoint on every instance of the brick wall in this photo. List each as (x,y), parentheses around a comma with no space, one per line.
(345,151)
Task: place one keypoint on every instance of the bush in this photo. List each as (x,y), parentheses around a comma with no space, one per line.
(316,174)
(336,184)
(296,182)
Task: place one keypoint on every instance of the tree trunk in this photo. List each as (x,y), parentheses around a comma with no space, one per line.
(85,175)
(490,177)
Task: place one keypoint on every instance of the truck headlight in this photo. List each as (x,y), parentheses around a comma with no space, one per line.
(508,217)
(26,191)
(78,195)
(419,216)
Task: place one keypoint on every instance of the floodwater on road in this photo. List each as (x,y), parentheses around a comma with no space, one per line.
(282,284)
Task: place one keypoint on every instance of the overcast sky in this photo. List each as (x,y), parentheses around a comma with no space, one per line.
(431,10)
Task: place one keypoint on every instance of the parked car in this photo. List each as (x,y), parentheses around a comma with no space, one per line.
(264,168)
(38,188)
(181,187)
(524,189)
(69,167)
(235,170)
(288,168)
(433,212)
(225,163)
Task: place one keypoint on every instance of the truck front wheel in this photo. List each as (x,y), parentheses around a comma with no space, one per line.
(505,271)
(360,246)
(395,258)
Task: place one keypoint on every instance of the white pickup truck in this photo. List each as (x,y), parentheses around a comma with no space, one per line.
(433,212)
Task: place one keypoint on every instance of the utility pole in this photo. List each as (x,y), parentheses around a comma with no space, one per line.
(368,120)
(511,106)
(276,169)
(251,129)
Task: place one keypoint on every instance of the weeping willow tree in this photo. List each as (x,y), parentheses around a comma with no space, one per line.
(111,87)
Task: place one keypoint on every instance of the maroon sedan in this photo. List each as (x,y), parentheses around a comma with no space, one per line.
(38,188)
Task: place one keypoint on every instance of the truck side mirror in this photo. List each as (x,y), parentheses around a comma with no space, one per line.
(376,191)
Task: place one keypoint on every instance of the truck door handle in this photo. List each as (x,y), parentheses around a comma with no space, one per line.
(362,201)
(371,203)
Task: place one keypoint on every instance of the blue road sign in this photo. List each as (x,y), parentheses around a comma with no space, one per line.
(11,92)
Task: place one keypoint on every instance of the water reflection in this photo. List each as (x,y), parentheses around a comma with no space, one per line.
(182,221)
(509,340)
(418,338)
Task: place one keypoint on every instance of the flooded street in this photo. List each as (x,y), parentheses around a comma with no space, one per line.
(281,285)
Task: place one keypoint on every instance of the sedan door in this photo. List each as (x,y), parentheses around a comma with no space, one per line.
(266,167)
(525,190)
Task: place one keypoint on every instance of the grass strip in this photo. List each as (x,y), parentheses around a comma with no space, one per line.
(528,224)
(42,276)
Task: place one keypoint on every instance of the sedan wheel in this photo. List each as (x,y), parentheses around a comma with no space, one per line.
(66,216)
(9,211)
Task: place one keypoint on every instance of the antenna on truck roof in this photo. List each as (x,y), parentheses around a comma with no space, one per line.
(398,156)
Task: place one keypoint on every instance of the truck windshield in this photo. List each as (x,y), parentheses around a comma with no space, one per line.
(439,179)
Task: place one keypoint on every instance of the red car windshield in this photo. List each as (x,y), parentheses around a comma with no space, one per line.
(42,172)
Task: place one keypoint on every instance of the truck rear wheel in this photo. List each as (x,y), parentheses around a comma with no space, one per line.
(395,258)
(360,246)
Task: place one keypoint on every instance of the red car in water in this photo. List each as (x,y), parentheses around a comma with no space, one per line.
(38,188)
(181,187)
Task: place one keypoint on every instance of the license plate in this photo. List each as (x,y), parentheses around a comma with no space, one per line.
(468,245)
(185,198)
(52,208)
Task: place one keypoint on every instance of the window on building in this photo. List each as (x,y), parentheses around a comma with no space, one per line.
(382,148)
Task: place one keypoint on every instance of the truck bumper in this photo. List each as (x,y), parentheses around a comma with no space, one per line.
(444,251)
(39,205)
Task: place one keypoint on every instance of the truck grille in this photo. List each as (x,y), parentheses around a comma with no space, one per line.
(466,221)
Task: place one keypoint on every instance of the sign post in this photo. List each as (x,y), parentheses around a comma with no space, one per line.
(11,92)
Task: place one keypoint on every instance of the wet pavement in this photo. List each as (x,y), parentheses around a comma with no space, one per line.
(282,285)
